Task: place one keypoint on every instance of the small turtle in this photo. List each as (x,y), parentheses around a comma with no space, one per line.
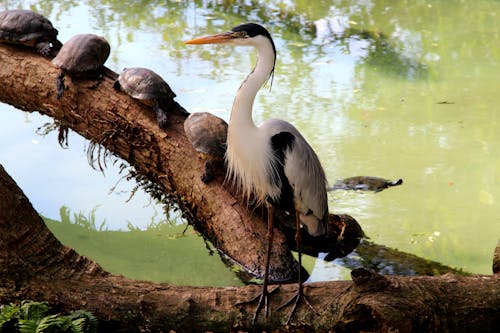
(364,183)
(19,26)
(81,56)
(207,133)
(149,88)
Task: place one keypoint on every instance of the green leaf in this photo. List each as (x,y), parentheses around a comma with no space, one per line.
(27,326)
(8,313)
(33,310)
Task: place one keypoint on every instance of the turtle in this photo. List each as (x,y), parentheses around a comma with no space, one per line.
(365,183)
(149,88)
(208,134)
(81,56)
(25,27)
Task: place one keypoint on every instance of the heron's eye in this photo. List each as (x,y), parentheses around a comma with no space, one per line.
(240,34)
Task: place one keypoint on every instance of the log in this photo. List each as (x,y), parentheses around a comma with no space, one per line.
(35,265)
(120,125)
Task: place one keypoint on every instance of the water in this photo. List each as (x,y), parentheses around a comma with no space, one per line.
(386,89)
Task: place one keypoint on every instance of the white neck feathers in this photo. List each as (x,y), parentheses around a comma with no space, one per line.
(243,102)
(249,152)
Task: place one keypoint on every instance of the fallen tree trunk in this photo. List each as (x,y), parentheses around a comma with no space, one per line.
(35,265)
(128,129)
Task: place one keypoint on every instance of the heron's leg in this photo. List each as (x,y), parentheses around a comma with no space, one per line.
(264,296)
(270,237)
(60,85)
(299,296)
(161,115)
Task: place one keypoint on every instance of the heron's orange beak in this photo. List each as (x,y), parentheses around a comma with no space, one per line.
(214,39)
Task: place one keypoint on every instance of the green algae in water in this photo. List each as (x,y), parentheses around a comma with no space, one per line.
(164,252)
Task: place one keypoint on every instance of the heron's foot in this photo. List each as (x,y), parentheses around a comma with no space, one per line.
(296,299)
(263,299)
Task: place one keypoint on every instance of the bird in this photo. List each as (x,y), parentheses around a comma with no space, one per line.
(271,164)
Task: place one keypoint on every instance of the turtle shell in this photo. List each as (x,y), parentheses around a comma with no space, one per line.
(207,133)
(145,85)
(82,53)
(365,183)
(27,27)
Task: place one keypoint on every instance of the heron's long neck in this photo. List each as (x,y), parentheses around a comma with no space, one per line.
(241,114)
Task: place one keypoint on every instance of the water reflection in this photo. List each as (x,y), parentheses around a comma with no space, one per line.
(375,48)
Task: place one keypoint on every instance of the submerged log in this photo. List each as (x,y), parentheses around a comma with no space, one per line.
(35,265)
(123,126)
(387,261)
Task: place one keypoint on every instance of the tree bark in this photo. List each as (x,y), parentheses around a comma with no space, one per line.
(35,265)
(128,129)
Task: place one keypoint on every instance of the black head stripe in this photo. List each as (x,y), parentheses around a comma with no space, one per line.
(254,29)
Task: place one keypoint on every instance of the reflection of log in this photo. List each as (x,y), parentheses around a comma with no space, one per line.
(128,129)
(385,260)
(34,265)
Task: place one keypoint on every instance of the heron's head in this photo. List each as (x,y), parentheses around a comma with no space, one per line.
(247,34)
(251,34)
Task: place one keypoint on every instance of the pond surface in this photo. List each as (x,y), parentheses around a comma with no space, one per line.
(379,88)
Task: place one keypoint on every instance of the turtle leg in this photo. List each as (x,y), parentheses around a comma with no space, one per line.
(117,86)
(161,115)
(208,173)
(56,45)
(60,85)
(44,48)
(178,108)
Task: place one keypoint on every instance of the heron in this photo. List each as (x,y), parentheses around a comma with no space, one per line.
(271,162)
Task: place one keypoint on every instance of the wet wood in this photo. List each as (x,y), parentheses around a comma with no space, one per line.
(34,265)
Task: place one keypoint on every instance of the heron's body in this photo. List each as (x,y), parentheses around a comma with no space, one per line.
(272,165)
(272,161)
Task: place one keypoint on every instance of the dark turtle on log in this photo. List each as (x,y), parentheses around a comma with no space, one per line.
(208,134)
(81,56)
(25,27)
(364,183)
(149,88)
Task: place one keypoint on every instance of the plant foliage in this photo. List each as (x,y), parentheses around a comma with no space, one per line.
(34,317)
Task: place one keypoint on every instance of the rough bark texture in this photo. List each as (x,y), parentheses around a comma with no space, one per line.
(34,265)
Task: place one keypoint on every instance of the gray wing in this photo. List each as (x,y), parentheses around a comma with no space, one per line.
(306,176)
